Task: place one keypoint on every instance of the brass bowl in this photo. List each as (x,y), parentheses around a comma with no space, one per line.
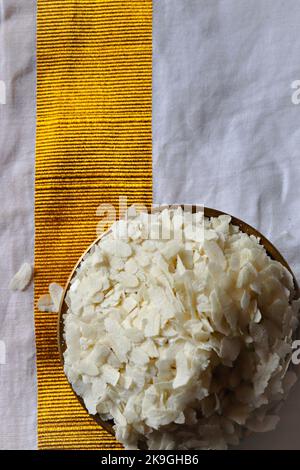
(270,249)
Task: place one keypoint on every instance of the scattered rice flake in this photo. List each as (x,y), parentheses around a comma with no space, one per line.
(45,303)
(51,302)
(22,278)
(56,293)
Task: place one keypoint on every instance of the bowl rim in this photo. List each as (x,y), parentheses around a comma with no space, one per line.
(271,250)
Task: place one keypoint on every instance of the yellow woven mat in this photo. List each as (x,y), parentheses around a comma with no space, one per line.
(93,144)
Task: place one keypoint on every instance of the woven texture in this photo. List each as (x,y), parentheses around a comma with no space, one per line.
(93,145)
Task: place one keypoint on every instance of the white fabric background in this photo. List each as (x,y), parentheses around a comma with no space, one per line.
(225,132)
(17,140)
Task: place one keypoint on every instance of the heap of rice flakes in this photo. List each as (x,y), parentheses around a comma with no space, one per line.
(184,344)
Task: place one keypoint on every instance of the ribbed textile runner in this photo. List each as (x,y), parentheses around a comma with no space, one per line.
(93,145)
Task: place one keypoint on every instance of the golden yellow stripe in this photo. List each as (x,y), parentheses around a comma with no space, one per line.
(93,145)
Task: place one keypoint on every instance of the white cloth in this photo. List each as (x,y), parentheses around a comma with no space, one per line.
(225,130)
(17,142)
